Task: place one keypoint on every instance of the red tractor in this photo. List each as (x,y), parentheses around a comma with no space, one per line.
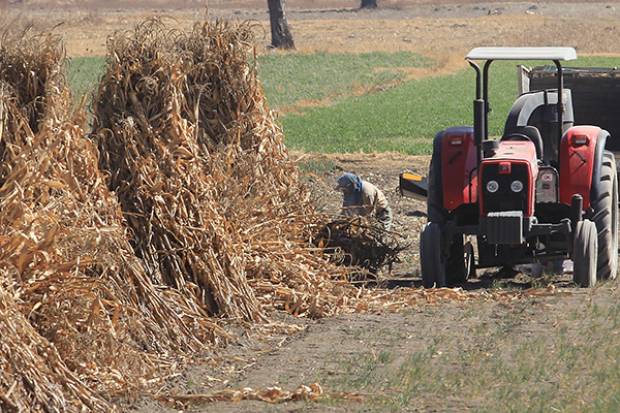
(545,190)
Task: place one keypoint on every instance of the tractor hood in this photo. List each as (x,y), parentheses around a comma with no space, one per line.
(507,179)
(513,151)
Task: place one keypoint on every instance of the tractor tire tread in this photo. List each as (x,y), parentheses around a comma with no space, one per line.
(432,267)
(456,270)
(585,254)
(606,220)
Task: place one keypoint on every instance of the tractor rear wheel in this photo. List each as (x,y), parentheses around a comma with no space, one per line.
(458,264)
(605,216)
(470,261)
(431,262)
(585,245)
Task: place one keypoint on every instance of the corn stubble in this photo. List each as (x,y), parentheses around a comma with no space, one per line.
(213,203)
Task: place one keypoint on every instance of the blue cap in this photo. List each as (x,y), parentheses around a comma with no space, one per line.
(349,181)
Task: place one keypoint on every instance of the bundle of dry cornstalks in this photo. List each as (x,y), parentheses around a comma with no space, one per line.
(80,320)
(214,205)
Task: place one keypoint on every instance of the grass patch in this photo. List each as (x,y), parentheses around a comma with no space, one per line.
(405,119)
(291,78)
(83,75)
(569,366)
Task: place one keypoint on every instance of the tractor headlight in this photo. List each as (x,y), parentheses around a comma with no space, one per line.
(492,186)
(516,186)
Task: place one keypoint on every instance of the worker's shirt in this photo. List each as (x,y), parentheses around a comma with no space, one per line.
(370,201)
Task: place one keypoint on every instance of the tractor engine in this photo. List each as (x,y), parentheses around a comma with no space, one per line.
(507,194)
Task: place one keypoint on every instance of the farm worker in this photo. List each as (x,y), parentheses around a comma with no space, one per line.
(362,198)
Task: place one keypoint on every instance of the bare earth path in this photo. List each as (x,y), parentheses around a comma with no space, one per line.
(480,356)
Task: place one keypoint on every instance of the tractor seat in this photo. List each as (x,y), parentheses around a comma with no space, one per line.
(526,133)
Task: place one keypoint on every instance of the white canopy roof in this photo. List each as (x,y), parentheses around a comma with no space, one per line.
(522,53)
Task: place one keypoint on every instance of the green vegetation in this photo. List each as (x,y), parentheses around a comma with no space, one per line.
(291,78)
(83,75)
(366,105)
(405,118)
(402,119)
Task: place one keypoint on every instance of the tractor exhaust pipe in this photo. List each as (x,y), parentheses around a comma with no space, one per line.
(480,112)
(480,108)
(560,109)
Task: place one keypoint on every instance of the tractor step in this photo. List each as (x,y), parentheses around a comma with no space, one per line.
(413,186)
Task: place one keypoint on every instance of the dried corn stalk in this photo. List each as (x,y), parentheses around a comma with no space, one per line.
(273,395)
(361,243)
(202,174)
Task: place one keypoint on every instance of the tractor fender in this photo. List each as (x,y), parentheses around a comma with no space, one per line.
(581,157)
(458,166)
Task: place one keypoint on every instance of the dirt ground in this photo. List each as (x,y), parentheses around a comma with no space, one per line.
(327,350)
(444,30)
(330,351)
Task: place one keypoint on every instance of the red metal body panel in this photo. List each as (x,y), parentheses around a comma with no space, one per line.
(517,153)
(515,150)
(577,151)
(458,165)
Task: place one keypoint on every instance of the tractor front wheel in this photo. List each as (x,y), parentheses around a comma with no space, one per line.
(460,262)
(432,265)
(585,248)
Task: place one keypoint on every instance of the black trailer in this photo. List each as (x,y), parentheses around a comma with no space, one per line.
(595,95)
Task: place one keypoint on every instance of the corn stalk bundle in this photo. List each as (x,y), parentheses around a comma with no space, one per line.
(33,376)
(199,166)
(35,80)
(81,320)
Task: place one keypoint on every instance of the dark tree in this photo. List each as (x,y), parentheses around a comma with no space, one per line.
(281,36)
(368,4)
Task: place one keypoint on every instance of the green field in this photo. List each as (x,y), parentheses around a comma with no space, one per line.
(405,118)
(291,78)
(84,74)
(363,103)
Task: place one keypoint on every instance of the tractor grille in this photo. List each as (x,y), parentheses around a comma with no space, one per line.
(505,199)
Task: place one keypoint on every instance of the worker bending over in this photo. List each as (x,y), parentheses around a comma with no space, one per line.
(362,198)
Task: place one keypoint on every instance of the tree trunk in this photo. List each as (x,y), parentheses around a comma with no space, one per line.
(281,36)
(368,4)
